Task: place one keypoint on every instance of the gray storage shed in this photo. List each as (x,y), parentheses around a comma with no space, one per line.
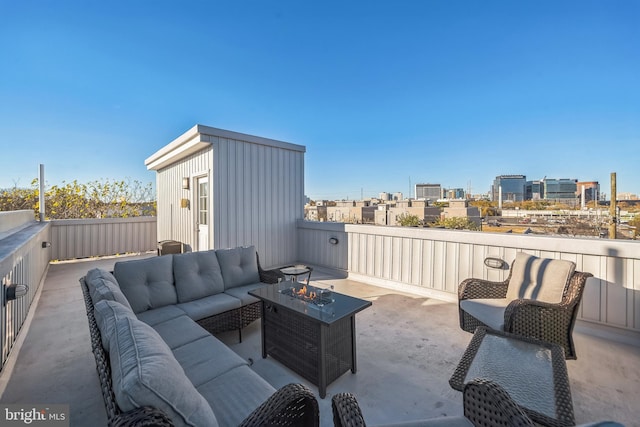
(220,189)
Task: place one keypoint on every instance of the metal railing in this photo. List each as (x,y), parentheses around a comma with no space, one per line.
(23,260)
(27,246)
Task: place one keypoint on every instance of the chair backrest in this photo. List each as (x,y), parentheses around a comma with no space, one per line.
(541,279)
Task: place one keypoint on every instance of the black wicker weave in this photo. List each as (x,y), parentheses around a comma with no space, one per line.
(486,404)
(292,405)
(562,414)
(535,319)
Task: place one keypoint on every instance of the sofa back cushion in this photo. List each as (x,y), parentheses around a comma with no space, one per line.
(239,266)
(107,313)
(145,372)
(540,279)
(197,275)
(103,286)
(147,283)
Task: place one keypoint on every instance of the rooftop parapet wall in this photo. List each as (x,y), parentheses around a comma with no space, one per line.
(433,262)
(14,220)
(24,256)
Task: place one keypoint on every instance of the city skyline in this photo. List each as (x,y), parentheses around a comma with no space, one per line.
(382,95)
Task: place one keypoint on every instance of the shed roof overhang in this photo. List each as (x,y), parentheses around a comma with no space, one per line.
(186,144)
(198,138)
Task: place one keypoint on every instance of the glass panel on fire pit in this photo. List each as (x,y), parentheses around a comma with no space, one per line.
(310,294)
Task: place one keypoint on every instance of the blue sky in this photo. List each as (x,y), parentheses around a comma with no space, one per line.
(382,93)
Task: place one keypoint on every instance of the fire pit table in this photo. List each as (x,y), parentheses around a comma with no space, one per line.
(310,330)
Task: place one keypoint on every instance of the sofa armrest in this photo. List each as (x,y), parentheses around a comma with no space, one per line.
(292,405)
(145,416)
(478,288)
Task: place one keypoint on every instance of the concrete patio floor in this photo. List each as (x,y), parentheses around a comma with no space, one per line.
(408,347)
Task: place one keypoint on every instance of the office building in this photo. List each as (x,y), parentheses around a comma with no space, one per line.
(512,186)
(428,191)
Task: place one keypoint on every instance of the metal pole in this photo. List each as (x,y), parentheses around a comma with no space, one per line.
(612,208)
(41,182)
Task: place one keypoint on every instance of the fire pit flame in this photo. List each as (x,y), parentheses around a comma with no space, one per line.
(309,294)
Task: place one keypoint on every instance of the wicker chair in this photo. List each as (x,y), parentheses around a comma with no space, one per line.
(539,299)
(485,404)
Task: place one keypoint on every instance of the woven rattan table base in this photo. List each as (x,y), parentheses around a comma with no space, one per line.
(317,352)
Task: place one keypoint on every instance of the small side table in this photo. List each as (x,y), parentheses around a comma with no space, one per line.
(533,372)
(292,272)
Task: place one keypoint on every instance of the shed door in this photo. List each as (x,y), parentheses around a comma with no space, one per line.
(203,213)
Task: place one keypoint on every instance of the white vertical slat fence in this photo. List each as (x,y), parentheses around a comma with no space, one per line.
(432,262)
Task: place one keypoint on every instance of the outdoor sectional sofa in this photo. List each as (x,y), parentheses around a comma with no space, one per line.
(151,322)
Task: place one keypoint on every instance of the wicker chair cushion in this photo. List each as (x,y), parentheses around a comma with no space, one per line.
(489,311)
(239,400)
(209,306)
(540,279)
(107,312)
(197,275)
(239,266)
(145,372)
(147,283)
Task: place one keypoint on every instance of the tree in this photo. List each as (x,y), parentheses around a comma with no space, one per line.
(486,207)
(457,223)
(407,220)
(97,199)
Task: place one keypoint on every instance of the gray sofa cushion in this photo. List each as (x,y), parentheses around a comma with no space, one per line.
(102,285)
(101,273)
(147,283)
(541,279)
(145,372)
(239,399)
(206,358)
(107,313)
(180,331)
(489,311)
(241,292)
(159,315)
(197,275)
(239,266)
(210,306)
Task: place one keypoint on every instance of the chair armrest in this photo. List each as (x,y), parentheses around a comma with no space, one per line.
(488,404)
(485,403)
(573,293)
(145,416)
(478,288)
(292,405)
(522,315)
(346,411)
(269,276)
